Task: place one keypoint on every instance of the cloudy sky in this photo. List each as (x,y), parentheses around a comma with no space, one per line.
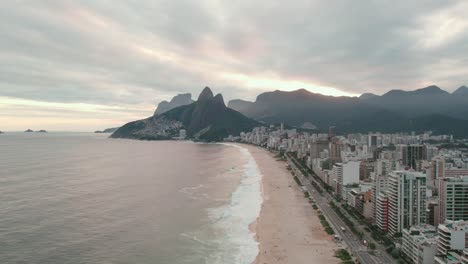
(84,65)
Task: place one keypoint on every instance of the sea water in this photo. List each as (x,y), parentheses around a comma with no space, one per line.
(85,198)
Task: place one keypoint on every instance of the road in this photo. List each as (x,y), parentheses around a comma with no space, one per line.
(353,243)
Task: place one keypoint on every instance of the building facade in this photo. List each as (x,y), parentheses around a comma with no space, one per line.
(406,200)
(453,198)
(420,244)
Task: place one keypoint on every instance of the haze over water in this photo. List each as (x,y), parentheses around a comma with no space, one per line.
(84,198)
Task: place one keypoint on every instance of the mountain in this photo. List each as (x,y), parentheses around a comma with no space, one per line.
(430,100)
(463,90)
(107,130)
(178,100)
(367,96)
(301,107)
(207,119)
(395,111)
(239,105)
(410,103)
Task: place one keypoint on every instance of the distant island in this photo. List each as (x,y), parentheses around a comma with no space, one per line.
(208,119)
(107,130)
(38,131)
(1,132)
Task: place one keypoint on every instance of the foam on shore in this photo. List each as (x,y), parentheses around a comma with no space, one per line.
(236,242)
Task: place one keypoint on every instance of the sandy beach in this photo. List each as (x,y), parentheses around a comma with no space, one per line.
(288,228)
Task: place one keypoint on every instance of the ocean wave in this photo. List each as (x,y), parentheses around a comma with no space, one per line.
(193,192)
(235,242)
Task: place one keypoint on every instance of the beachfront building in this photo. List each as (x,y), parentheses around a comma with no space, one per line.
(453,198)
(346,174)
(420,244)
(380,185)
(453,236)
(406,200)
(381,218)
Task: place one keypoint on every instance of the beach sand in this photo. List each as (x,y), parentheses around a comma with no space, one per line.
(288,228)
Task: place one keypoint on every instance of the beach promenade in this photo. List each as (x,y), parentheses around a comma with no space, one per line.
(288,229)
(353,243)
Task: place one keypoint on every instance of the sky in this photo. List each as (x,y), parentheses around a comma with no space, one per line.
(87,65)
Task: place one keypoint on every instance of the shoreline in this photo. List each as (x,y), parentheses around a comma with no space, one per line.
(287,229)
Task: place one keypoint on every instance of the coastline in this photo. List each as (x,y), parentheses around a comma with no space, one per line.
(238,217)
(288,229)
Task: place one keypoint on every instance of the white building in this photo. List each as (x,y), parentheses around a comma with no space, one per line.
(453,236)
(346,173)
(381,214)
(420,244)
(406,200)
(379,185)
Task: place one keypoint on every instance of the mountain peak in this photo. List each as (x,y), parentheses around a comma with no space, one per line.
(207,119)
(366,96)
(429,90)
(433,90)
(176,101)
(182,98)
(206,94)
(462,90)
(218,99)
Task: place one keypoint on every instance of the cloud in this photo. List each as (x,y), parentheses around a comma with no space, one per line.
(133,54)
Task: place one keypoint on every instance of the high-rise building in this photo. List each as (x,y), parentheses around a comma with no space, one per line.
(433,214)
(420,243)
(372,140)
(411,154)
(453,198)
(316,147)
(379,185)
(335,149)
(406,200)
(385,166)
(438,167)
(381,215)
(431,152)
(346,173)
(453,236)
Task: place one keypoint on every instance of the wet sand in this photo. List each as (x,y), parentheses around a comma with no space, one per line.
(288,228)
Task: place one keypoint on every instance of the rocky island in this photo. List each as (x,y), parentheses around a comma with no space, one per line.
(29,131)
(207,119)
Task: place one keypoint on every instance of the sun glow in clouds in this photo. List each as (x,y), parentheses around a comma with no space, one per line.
(19,114)
(287,85)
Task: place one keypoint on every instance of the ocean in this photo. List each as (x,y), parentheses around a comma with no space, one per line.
(85,198)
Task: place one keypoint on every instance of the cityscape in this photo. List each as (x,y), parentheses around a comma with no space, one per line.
(402,197)
(234,132)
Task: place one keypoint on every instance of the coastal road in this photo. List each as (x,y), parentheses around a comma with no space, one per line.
(353,243)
